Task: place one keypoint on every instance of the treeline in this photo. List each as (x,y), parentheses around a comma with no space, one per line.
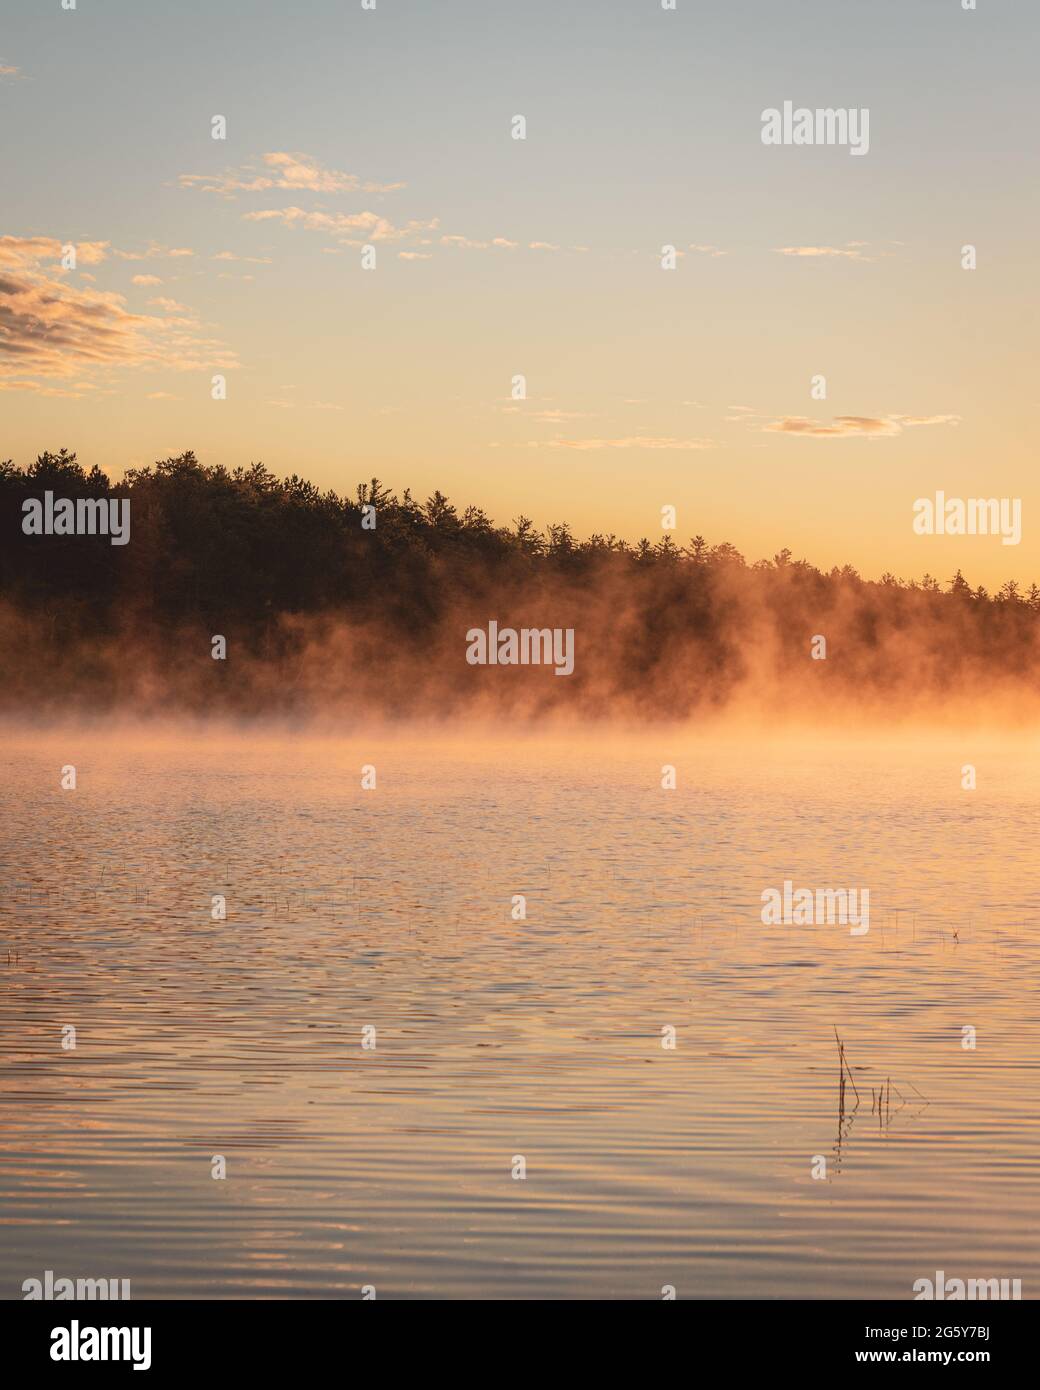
(322,613)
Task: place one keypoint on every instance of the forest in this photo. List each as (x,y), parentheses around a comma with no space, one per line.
(325,616)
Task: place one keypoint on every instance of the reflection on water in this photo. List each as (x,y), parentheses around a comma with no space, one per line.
(393,910)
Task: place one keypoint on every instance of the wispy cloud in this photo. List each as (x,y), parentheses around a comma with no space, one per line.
(848,426)
(31,250)
(155,252)
(927,419)
(345,225)
(851,251)
(75,392)
(500,243)
(283,169)
(639,441)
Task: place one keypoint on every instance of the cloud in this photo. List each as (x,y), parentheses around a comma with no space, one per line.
(371,224)
(24,252)
(146,280)
(91,252)
(156,252)
(284,170)
(848,426)
(296,172)
(503,243)
(541,246)
(12,384)
(707,250)
(161,396)
(7,71)
(927,419)
(414,255)
(850,251)
(633,442)
(51,328)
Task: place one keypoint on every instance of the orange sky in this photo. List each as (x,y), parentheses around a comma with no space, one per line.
(542,257)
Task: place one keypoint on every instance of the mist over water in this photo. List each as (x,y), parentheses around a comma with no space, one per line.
(496,1037)
(312,617)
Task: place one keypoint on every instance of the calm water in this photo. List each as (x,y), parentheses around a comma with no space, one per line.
(351,909)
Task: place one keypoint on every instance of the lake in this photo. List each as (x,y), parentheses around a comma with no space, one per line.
(473,970)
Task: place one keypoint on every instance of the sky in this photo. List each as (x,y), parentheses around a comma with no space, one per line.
(495,257)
